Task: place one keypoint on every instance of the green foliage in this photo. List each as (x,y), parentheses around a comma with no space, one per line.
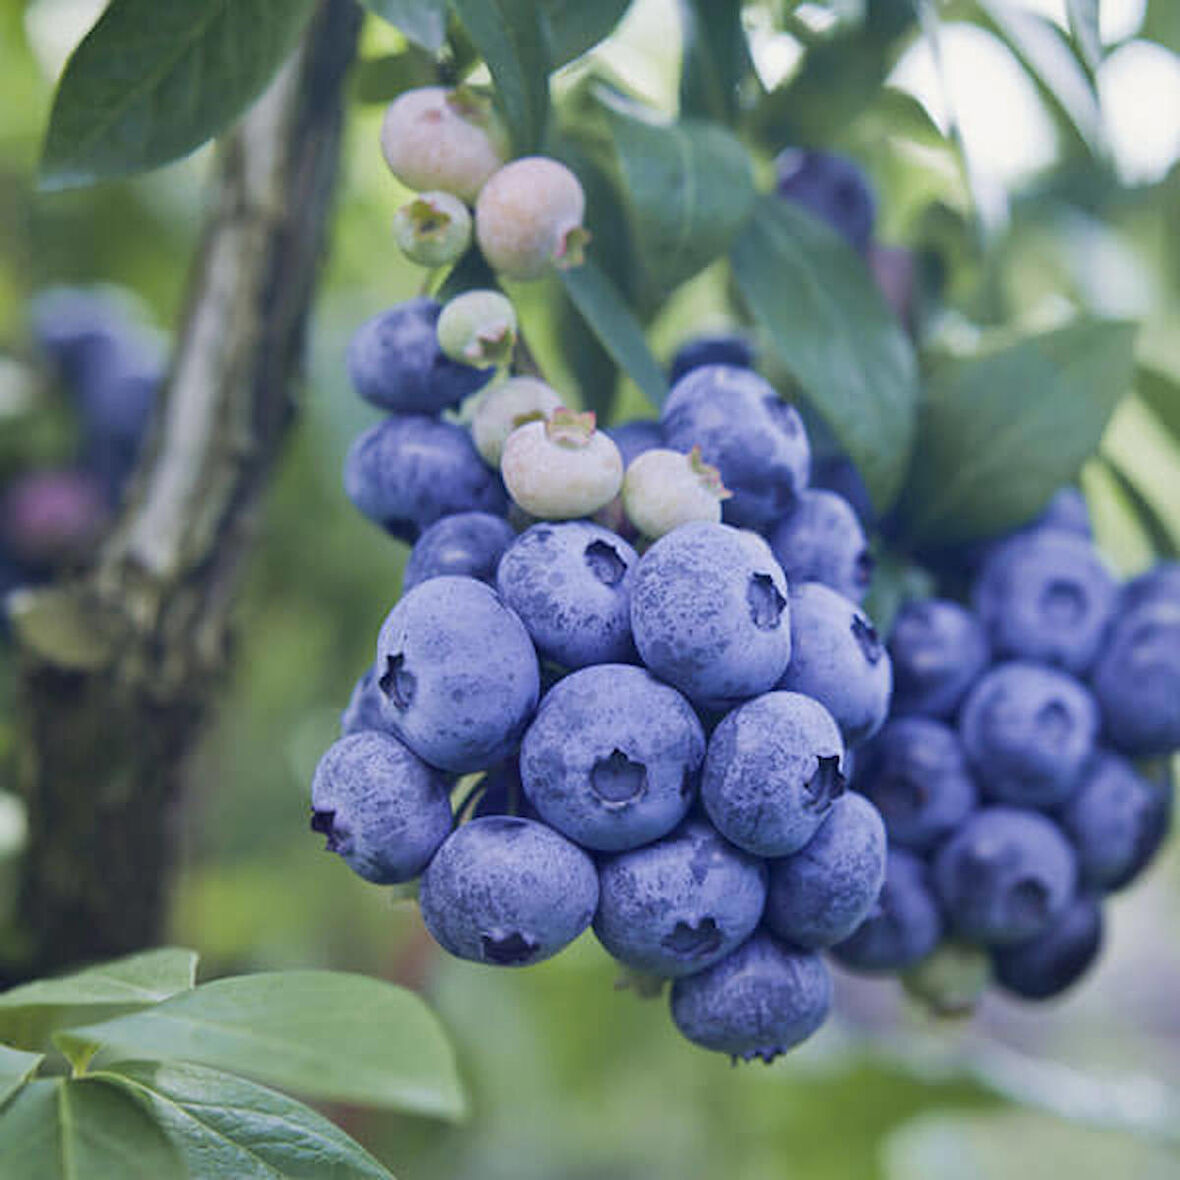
(1083,27)
(572,26)
(16,1067)
(716,59)
(1161,394)
(424,22)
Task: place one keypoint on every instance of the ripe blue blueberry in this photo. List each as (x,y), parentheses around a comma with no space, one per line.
(458,672)
(744,429)
(822,893)
(709,613)
(915,772)
(821,540)
(1005,876)
(838,658)
(366,707)
(612,758)
(1046,595)
(838,473)
(759,1001)
(1067,510)
(1058,957)
(468,543)
(723,349)
(773,769)
(832,187)
(939,650)
(679,905)
(570,583)
(380,807)
(395,362)
(1028,731)
(1161,581)
(508,892)
(409,471)
(633,438)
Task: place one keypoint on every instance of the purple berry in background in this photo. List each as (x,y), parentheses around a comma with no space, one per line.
(1055,959)
(613,757)
(380,807)
(47,517)
(508,892)
(679,905)
(395,362)
(894,268)
(634,438)
(939,650)
(1067,512)
(1046,595)
(709,613)
(759,1001)
(838,658)
(458,673)
(822,893)
(821,540)
(773,770)
(833,188)
(570,583)
(408,471)
(1028,731)
(721,349)
(744,429)
(1005,876)
(915,773)
(468,544)
(902,928)
(366,707)
(1117,820)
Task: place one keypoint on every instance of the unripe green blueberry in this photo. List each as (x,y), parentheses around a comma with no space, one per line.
(528,218)
(438,139)
(478,328)
(665,489)
(507,407)
(561,468)
(432,229)
(951,980)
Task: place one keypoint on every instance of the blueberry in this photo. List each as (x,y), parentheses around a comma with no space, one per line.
(633,438)
(570,583)
(709,613)
(773,769)
(721,349)
(915,772)
(52,516)
(1028,731)
(506,407)
(838,473)
(612,757)
(478,328)
(939,650)
(821,540)
(1005,875)
(380,806)
(458,672)
(1067,510)
(1117,820)
(744,429)
(433,229)
(1161,581)
(508,892)
(822,893)
(1045,595)
(409,471)
(679,905)
(468,543)
(1058,957)
(832,187)
(759,1001)
(664,489)
(395,362)
(366,707)
(838,658)
(902,928)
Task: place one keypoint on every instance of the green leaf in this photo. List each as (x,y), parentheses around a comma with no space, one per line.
(1164,540)
(224,1126)
(573,26)
(83,1129)
(15,1069)
(829,324)
(610,319)
(155,79)
(1000,433)
(422,21)
(29,1014)
(329,1035)
(1161,394)
(382,79)
(1083,27)
(716,58)
(510,38)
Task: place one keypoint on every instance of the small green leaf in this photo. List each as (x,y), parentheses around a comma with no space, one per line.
(155,79)
(1161,394)
(830,326)
(1083,27)
(716,58)
(573,26)
(1000,433)
(224,1126)
(16,1068)
(329,1035)
(610,319)
(422,21)
(510,38)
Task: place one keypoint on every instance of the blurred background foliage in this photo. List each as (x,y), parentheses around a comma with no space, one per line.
(1028,200)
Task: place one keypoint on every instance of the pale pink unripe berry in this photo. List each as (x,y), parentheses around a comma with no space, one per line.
(478,328)
(450,140)
(507,407)
(528,218)
(562,468)
(432,229)
(664,489)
